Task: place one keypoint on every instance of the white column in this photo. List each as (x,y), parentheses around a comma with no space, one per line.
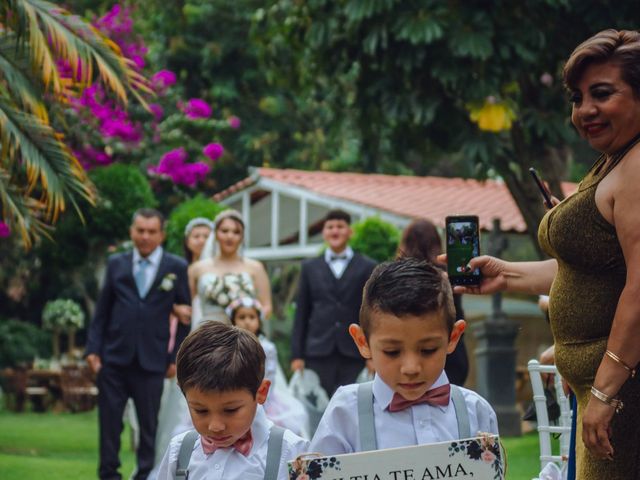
(246,217)
(302,238)
(275,218)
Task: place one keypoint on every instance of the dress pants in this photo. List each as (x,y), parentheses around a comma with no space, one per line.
(335,370)
(116,384)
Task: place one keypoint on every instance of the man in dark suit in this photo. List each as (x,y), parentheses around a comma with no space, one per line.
(128,339)
(328,301)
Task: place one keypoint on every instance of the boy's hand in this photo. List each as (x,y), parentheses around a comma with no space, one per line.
(297,364)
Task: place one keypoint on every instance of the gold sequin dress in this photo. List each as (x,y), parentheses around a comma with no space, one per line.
(583,301)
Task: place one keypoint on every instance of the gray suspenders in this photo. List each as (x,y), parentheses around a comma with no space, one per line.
(367,426)
(274,452)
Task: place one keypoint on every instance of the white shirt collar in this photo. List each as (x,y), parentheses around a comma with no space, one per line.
(384,394)
(260,428)
(154,257)
(348,252)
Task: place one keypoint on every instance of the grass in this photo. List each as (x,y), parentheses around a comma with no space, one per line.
(64,446)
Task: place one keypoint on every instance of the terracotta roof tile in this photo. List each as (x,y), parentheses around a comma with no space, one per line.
(415,197)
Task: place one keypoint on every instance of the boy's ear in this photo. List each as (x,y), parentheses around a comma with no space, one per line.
(456,332)
(263,391)
(360,340)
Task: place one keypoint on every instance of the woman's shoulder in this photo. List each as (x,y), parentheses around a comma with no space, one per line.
(253,265)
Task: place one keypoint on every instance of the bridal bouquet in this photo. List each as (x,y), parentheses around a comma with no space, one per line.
(227,288)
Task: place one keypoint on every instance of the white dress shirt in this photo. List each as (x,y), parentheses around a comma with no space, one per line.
(154,259)
(338,266)
(228,463)
(338,430)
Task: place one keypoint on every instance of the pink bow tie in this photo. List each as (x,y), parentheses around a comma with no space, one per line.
(438,396)
(242,445)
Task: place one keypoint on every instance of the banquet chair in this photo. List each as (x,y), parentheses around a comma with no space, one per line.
(544,427)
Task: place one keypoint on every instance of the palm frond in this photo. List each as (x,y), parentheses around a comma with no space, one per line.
(83,46)
(14,69)
(49,165)
(29,33)
(22,211)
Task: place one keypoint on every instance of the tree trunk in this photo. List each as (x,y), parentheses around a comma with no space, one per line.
(55,338)
(522,187)
(71,337)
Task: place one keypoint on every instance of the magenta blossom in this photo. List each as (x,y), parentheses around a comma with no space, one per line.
(163,80)
(173,165)
(197,108)
(234,122)
(5,231)
(157,110)
(214,151)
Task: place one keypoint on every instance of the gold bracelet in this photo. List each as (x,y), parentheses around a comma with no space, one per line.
(617,359)
(611,401)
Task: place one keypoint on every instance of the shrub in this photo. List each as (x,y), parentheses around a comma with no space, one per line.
(198,206)
(375,238)
(122,190)
(21,342)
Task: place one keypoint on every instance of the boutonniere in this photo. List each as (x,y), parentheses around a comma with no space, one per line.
(167,282)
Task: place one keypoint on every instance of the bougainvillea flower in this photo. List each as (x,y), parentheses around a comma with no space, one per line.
(214,151)
(157,110)
(5,231)
(173,165)
(234,122)
(197,108)
(163,80)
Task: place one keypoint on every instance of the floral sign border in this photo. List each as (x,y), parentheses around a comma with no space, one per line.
(485,451)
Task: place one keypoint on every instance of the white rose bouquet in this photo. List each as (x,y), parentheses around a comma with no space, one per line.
(227,288)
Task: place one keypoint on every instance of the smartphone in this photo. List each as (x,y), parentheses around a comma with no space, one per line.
(463,243)
(546,194)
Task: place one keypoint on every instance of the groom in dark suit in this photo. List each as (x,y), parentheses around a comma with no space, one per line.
(128,338)
(328,301)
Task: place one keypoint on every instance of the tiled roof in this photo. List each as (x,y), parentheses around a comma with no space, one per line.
(415,197)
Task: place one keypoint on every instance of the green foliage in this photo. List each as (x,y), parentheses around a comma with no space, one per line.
(375,238)
(21,342)
(62,314)
(198,206)
(122,189)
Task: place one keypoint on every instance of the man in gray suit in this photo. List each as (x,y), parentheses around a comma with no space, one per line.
(328,301)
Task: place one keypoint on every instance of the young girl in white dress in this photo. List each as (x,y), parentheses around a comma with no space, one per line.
(281,407)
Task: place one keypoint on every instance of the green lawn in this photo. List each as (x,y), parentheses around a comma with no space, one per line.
(64,446)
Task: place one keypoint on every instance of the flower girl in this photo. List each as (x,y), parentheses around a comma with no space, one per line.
(281,407)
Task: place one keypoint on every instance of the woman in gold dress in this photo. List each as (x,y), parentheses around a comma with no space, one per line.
(594,279)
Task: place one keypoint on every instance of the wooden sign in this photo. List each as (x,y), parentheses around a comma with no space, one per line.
(478,458)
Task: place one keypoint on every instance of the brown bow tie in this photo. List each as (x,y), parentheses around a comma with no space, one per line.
(438,396)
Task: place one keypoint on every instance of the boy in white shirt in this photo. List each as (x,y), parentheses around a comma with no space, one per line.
(407,328)
(220,370)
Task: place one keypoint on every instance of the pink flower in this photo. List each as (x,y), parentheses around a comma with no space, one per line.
(214,151)
(197,108)
(157,110)
(173,165)
(487,456)
(234,122)
(5,231)
(163,80)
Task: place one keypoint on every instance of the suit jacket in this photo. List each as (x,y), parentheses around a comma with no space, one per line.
(326,306)
(126,327)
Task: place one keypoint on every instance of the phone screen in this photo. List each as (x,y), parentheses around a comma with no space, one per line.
(463,243)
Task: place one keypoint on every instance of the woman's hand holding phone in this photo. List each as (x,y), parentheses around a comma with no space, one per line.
(493,271)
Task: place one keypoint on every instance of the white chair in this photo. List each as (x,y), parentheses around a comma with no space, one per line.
(545,429)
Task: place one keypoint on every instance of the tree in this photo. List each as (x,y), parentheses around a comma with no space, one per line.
(39,174)
(475,80)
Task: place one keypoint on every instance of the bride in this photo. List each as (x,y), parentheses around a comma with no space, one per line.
(222,274)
